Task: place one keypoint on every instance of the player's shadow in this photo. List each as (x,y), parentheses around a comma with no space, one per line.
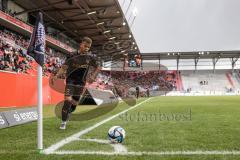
(88,115)
(100,110)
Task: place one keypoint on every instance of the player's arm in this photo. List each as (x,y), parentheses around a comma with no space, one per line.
(97,70)
(62,71)
(92,77)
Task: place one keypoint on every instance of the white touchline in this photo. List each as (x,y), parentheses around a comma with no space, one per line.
(73,137)
(161,153)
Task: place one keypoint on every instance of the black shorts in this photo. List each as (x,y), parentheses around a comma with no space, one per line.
(74,89)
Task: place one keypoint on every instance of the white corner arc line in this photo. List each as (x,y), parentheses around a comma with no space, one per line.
(118,147)
(95,140)
(73,137)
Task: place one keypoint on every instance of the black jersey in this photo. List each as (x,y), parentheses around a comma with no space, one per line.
(137,88)
(79,67)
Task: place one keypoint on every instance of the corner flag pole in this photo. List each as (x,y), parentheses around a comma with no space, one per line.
(36,49)
(40,108)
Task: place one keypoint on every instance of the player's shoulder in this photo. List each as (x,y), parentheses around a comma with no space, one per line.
(71,55)
(91,55)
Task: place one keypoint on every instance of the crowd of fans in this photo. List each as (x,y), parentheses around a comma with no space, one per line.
(12,59)
(13,54)
(125,82)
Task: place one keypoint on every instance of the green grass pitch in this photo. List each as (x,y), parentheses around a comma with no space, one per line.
(160,124)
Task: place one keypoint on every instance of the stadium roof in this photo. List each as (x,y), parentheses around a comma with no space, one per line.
(171,30)
(105,23)
(191,55)
(102,20)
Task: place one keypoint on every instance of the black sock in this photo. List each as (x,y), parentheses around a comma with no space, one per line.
(66,110)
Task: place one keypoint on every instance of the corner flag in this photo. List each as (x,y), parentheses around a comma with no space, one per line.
(36,48)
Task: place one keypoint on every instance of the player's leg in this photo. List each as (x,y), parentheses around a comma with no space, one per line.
(75,100)
(66,108)
(67,104)
(72,96)
(65,111)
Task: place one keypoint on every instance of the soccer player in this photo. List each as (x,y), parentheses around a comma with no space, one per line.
(137,92)
(78,72)
(148,92)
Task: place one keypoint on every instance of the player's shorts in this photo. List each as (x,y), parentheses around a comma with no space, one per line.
(74,89)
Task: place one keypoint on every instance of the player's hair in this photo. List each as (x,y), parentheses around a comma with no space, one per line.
(87,40)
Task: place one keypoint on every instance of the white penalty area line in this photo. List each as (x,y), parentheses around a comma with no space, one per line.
(56,146)
(162,153)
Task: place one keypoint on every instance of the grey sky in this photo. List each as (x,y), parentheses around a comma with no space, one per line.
(185,25)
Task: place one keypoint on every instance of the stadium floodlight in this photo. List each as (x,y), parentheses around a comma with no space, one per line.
(94,12)
(107,31)
(112,38)
(130,36)
(100,23)
(124,23)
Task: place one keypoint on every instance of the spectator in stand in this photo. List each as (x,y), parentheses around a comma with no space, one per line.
(7,66)
(1,53)
(2,65)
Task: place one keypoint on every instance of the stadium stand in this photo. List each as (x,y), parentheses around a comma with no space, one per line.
(125,82)
(205,81)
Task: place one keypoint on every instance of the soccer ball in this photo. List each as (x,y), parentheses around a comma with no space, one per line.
(116,134)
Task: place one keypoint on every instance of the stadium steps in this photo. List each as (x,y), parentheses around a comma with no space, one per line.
(236,80)
(229,77)
(215,82)
(238,77)
(179,82)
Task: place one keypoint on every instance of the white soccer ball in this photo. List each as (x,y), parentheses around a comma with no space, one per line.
(116,134)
